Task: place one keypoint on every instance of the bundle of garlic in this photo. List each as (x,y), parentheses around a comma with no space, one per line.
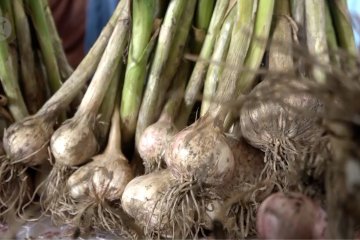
(199,157)
(265,81)
(79,132)
(26,141)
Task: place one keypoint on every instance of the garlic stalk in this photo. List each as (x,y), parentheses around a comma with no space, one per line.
(78,133)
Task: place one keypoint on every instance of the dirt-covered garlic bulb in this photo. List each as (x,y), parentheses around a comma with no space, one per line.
(98,186)
(153,142)
(105,177)
(201,152)
(280,118)
(156,137)
(16,185)
(79,131)
(18,146)
(142,199)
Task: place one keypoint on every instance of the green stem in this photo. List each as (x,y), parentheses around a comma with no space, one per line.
(37,12)
(11,39)
(7,12)
(114,140)
(178,46)
(316,35)
(107,66)
(238,49)
(343,26)
(33,93)
(40,73)
(107,106)
(331,37)
(280,54)
(257,46)
(64,67)
(176,92)
(10,84)
(220,51)
(298,14)
(199,72)
(156,84)
(140,49)
(255,53)
(203,14)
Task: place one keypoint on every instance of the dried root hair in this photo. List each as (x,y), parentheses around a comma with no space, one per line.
(181,210)
(280,160)
(101,215)
(15,188)
(92,213)
(311,170)
(238,214)
(55,200)
(293,167)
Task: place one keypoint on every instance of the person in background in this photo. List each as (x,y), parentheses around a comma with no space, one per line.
(70,20)
(79,23)
(98,14)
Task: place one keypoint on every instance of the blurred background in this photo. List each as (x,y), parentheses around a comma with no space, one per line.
(79,23)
